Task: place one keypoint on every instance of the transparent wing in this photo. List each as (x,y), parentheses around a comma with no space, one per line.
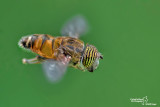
(54,70)
(75,27)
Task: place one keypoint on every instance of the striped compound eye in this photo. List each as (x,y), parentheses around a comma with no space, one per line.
(91,58)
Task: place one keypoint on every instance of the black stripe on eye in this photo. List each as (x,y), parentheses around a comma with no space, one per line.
(86,61)
(93,57)
(90,58)
(95,53)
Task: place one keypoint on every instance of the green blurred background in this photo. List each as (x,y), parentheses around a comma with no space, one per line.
(126,32)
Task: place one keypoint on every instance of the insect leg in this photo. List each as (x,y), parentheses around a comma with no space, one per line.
(36,60)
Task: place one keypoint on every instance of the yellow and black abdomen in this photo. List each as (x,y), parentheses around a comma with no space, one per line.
(42,44)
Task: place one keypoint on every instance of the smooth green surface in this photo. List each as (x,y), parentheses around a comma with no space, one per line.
(126,32)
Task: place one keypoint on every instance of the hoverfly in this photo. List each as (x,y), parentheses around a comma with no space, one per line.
(56,53)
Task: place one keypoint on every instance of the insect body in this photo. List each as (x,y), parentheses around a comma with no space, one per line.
(56,53)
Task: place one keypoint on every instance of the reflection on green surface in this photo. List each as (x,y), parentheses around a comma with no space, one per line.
(126,32)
